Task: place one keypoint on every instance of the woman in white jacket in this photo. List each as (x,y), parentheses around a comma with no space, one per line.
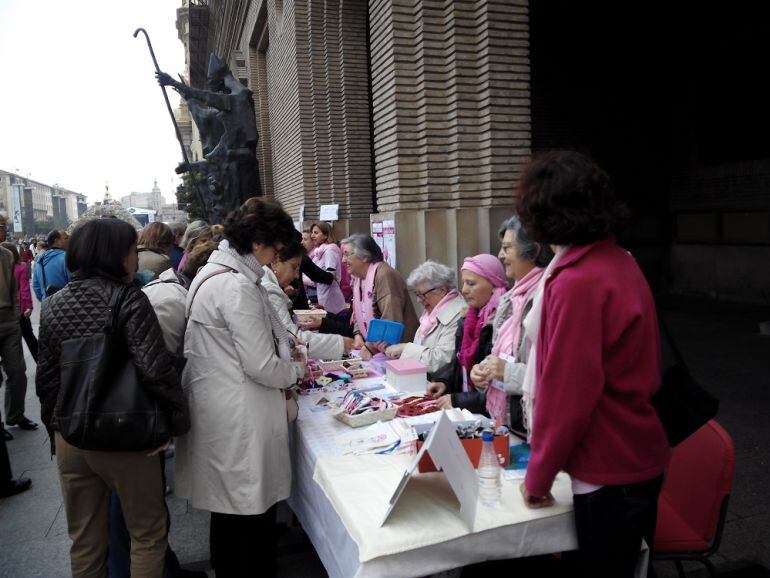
(234,462)
(434,286)
(278,275)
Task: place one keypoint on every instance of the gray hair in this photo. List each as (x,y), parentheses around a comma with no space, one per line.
(194,230)
(539,254)
(363,247)
(433,274)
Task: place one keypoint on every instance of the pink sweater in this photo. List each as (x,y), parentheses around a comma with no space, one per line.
(598,366)
(21,271)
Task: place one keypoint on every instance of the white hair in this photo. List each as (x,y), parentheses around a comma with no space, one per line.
(433,274)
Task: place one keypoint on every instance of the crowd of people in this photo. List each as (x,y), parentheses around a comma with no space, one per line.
(555,337)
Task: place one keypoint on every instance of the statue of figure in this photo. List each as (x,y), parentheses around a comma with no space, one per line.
(224,115)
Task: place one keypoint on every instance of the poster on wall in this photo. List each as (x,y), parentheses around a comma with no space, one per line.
(377,234)
(389,242)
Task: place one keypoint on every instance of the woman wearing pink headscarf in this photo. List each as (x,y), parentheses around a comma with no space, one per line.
(501,374)
(483,284)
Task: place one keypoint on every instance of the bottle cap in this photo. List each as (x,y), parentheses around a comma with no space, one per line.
(487,436)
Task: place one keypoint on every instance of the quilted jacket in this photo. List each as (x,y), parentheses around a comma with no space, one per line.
(78,310)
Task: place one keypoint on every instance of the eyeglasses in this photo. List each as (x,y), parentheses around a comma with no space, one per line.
(421,296)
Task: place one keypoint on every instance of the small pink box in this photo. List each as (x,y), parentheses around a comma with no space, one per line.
(407,375)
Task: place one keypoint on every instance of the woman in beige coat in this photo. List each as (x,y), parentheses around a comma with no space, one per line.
(235,460)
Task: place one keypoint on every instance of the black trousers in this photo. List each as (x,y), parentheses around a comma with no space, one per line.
(5,463)
(29,336)
(611,523)
(243,546)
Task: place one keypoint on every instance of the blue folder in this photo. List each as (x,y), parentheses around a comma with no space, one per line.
(388,331)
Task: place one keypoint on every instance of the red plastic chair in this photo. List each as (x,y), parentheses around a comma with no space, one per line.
(693,501)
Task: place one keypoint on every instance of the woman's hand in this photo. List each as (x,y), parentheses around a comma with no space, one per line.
(290,290)
(395,350)
(444,402)
(358,342)
(366,353)
(162,448)
(480,376)
(28,313)
(436,388)
(496,367)
(535,502)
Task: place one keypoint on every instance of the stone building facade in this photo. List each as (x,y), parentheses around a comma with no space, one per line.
(422,112)
(415,111)
(39,202)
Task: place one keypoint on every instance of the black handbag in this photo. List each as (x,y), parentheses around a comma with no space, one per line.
(102,404)
(683,405)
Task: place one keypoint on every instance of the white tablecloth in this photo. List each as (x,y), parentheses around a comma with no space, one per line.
(313,437)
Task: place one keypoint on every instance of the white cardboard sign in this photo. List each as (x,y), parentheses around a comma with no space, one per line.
(329,212)
(448,455)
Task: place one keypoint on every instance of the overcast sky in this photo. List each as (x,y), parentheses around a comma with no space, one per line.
(79,105)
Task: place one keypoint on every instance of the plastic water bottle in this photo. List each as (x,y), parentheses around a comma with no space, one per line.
(489,471)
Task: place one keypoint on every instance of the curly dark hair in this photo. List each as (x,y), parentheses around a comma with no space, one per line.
(565,198)
(258,220)
(293,249)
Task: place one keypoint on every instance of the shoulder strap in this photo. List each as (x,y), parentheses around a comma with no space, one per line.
(113,309)
(206,278)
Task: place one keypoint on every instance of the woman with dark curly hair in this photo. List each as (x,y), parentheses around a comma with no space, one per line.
(594,366)
(235,460)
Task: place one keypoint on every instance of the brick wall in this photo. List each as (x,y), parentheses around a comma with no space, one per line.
(451,99)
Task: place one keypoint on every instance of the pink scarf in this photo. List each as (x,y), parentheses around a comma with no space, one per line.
(508,338)
(363,305)
(429,319)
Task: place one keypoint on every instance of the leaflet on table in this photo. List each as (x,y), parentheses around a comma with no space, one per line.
(389,437)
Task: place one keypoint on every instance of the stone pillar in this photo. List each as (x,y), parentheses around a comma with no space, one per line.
(451,102)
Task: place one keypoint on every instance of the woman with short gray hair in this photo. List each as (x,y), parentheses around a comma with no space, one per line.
(379,292)
(435,287)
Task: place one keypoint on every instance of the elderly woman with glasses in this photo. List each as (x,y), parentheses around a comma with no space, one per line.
(435,288)
(379,292)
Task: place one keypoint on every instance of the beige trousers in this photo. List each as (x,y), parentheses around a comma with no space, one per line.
(87,479)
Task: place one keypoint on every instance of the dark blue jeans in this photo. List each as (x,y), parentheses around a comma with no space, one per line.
(611,523)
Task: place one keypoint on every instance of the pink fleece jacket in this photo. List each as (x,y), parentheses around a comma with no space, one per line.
(598,366)
(21,272)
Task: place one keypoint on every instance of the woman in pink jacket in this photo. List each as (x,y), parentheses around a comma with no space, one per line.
(21,272)
(593,368)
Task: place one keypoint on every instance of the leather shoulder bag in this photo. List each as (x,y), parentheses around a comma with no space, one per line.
(102,404)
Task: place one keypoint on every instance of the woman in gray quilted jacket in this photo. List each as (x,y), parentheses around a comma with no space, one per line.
(103,258)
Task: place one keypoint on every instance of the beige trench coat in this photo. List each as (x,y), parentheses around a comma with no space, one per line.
(235,458)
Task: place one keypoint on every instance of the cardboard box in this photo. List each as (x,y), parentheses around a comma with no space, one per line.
(406,375)
(473,449)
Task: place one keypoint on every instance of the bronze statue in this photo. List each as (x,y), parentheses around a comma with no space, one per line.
(224,115)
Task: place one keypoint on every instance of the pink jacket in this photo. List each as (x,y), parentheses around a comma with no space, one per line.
(21,271)
(598,366)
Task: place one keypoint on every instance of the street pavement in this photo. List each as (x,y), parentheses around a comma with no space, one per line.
(721,342)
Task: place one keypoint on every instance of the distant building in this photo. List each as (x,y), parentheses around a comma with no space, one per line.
(154,201)
(37,202)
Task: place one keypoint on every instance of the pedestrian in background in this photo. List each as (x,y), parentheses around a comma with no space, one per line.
(156,241)
(176,253)
(11,353)
(51,272)
(21,272)
(197,232)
